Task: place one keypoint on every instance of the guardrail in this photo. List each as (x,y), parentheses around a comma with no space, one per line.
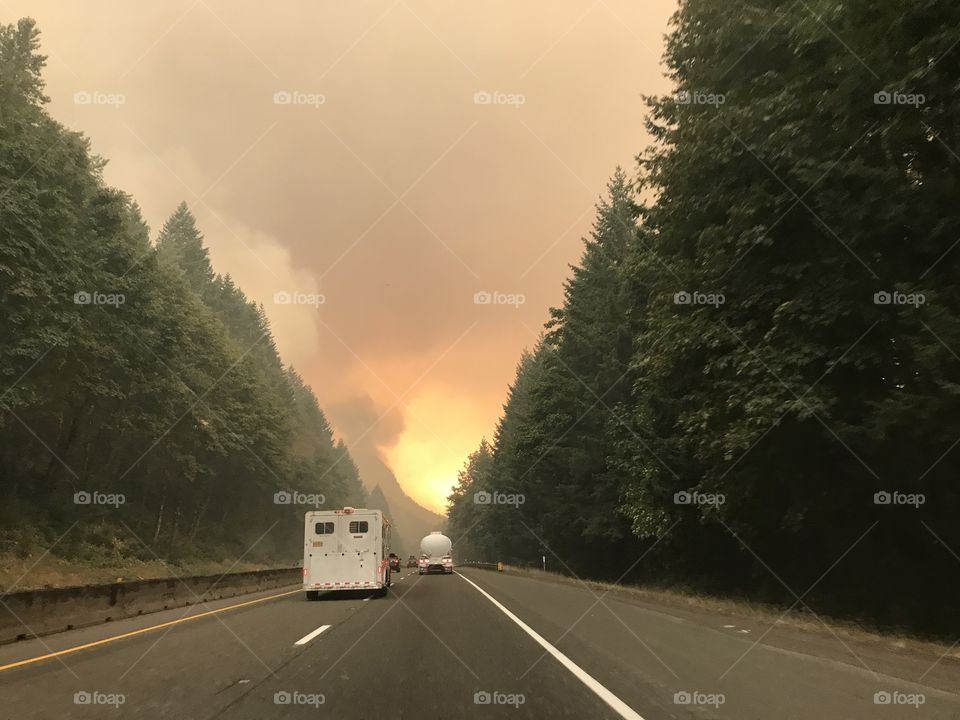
(498,566)
(27,613)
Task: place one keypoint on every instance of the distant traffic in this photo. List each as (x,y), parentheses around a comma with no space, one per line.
(349,549)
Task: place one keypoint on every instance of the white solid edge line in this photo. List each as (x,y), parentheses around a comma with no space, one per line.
(624,710)
(307,638)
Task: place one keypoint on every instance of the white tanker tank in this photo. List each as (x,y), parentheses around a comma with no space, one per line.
(435,554)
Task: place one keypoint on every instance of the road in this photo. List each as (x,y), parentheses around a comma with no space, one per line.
(437,647)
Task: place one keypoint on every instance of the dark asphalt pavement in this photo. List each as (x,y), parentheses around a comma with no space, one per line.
(438,647)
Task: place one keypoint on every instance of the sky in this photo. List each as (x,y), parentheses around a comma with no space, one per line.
(402,184)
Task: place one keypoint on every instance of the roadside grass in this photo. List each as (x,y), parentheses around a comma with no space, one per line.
(762,613)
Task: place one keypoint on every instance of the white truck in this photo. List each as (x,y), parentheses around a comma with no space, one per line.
(346,550)
(435,554)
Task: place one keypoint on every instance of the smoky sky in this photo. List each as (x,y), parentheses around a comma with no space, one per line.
(377,164)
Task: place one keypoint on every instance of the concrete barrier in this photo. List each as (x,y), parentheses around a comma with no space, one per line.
(28,613)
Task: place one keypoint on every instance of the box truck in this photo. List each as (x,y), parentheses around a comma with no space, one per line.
(346,550)
(435,554)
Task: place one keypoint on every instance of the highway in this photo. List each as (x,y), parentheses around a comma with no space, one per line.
(473,644)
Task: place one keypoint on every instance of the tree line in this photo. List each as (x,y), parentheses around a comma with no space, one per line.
(752,384)
(144,408)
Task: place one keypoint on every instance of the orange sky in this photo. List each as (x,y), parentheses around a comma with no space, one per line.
(428,151)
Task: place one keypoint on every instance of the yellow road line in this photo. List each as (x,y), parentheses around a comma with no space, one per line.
(77,648)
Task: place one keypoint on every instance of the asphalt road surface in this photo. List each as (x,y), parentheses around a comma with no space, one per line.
(476,644)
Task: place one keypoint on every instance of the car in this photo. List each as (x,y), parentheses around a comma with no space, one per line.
(412,561)
(394,562)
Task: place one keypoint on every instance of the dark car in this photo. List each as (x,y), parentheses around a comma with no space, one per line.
(394,562)
(412,561)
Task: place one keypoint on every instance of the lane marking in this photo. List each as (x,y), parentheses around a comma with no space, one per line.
(366,599)
(621,708)
(114,638)
(310,636)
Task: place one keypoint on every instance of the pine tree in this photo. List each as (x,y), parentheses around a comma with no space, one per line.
(175,397)
(181,243)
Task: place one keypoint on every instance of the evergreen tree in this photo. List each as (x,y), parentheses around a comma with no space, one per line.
(378,501)
(466,528)
(173,394)
(181,243)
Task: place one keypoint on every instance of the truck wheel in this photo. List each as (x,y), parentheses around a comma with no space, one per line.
(313,594)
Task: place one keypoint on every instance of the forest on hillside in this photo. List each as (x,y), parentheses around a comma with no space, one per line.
(144,410)
(753,383)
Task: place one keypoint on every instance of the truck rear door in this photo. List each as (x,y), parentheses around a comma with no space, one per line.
(323,550)
(359,538)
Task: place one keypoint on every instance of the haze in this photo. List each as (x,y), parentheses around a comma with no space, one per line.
(387,184)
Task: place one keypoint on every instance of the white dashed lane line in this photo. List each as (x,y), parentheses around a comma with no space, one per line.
(310,636)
